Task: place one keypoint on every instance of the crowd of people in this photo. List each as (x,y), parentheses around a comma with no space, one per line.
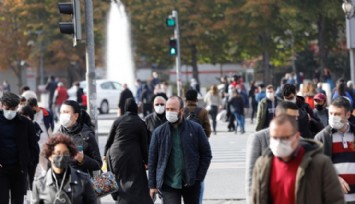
(301,151)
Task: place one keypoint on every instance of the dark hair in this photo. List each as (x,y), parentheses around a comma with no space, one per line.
(191,95)
(59,138)
(269,86)
(24,88)
(341,88)
(282,107)
(284,118)
(342,102)
(161,95)
(27,111)
(84,117)
(180,100)
(32,102)
(22,99)
(288,89)
(10,99)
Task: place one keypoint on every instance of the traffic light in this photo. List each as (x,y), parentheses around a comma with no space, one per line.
(74,27)
(170,21)
(173,47)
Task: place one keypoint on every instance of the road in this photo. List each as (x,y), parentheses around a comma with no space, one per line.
(225,180)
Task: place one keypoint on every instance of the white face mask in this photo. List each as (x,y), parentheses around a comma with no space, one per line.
(10,114)
(159,109)
(64,120)
(172,117)
(270,95)
(281,148)
(294,100)
(335,122)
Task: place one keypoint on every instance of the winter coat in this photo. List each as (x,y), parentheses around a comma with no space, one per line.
(126,151)
(196,151)
(153,121)
(326,137)
(316,179)
(236,105)
(47,119)
(26,145)
(202,117)
(262,112)
(78,188)
(84,135)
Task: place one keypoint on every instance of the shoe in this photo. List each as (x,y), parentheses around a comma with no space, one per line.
(242,132)
(214,132)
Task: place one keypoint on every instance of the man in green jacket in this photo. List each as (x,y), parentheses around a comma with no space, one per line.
(294,171)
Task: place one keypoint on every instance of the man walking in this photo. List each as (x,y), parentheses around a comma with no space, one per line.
(179,157)
(18,150)
(293,170)
(125,94)
(338,139)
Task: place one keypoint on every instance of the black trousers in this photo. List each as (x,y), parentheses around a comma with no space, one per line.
(12,182)
(191,194)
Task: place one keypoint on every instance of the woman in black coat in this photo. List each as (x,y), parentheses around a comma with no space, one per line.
(76,123)
(126,153)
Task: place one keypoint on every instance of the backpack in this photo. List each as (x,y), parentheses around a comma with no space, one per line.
(192,115)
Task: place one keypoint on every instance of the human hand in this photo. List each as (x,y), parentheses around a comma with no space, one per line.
(344,185)
(152,192)
(79,157)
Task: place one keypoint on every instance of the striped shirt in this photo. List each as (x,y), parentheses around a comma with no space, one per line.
(343,157)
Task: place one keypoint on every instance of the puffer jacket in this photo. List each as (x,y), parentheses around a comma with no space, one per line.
(85,136)
(316,179)
(195,146)
(77,188)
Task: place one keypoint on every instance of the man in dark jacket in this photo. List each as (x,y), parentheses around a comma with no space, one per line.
(19,150)
(125,94)
(310,124)
(156,118)
(201,114)
(179,156)
(293,170)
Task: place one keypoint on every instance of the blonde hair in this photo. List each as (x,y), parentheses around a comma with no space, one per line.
(214,89)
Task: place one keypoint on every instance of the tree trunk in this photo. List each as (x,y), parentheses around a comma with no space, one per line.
(266,58)
(194,62)
(321,41)
(17,69)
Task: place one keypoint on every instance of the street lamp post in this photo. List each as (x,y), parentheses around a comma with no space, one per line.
(348,8)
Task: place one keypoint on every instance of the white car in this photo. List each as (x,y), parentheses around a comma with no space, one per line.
(107,93)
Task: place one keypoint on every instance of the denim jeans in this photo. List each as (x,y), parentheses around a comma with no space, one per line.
(202,189)
(240,121)
(191,194)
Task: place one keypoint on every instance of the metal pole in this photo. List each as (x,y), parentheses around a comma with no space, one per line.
(178,56)
(352,64)
(90,64)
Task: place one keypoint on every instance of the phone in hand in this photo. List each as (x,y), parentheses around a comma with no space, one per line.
(80,148)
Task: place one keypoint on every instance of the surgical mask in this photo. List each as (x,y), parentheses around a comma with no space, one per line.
(294,100)
(159,109)
(64,120)
(61,162)
(270,95)
(335,122)
(281,148)
(10,114)
(172,117)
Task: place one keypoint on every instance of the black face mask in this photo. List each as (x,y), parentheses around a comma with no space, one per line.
(61,162)
(319,107)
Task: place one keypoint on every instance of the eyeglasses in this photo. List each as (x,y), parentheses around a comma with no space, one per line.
(283,138)
(159,104)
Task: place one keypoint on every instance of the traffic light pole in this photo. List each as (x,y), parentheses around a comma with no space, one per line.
(90,64)
(177,58)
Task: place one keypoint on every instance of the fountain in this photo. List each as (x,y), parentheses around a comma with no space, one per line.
(119,60)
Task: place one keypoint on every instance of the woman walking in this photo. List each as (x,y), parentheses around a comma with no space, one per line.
(213,102)
(126,152)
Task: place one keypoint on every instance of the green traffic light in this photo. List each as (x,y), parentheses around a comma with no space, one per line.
(170,22)
(173,51)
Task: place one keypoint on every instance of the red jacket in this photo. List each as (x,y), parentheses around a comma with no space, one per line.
(62,95)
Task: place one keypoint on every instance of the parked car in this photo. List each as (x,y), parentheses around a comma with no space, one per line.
(107,94)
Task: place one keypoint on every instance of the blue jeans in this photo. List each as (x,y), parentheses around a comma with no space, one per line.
(202,189)
(240,120)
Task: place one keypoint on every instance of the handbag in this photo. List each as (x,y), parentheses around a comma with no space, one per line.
(105,183)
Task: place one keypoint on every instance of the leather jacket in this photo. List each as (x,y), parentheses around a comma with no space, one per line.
(77,188)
